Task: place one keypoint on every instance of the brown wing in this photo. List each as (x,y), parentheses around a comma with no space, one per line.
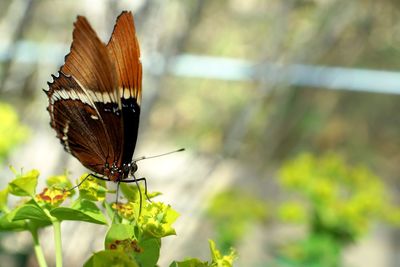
(89,62)
(124,51)
(123,47)
(89,85)
(78,123)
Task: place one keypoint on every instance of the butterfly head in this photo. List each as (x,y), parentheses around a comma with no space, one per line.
(118,173)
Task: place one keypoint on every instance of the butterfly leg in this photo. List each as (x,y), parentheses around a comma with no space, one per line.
(83,180)
(117,191)
(98,177)
(134,180)
(139,180)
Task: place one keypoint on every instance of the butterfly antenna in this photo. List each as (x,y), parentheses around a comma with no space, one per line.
(160,155)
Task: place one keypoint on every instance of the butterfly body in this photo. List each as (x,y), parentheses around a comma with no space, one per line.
(94,101)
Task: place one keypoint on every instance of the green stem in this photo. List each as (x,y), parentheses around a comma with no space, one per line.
(57,241)
(38,249)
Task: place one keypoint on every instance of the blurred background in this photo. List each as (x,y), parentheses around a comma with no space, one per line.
(289,112)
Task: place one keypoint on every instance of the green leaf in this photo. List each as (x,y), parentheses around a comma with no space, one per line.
(4,200)
(108,258)
(25,184)
(32,212)
(150,252)
(157,219)
(59,181)
(121,237)
(219,260)
(119,232)
(111,212)
(131,192)
(38,224)
(6,224)
(189,263)
(92,188)
(82,210)
(25,217)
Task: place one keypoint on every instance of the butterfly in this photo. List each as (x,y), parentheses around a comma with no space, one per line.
(94,101)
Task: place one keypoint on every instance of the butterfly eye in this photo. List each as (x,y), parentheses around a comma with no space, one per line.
(134,167)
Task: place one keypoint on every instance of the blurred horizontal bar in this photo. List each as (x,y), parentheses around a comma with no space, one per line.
(230,69)
(294,74)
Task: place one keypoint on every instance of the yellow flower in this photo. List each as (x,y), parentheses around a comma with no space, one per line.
(52,196)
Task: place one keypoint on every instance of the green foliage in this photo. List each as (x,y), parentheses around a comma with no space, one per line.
(233,212)
(292,212)
(217,259)
(342,200)
(108,258)
(337,201)
(82,210)
(11,131)
(24,184)
(127,238)
(135,230)
(42,209)
(157,220)
(138,232)
(314,251)
(92,189)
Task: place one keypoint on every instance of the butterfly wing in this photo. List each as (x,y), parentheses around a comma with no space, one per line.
(75,118)
(124,51)
(84,102)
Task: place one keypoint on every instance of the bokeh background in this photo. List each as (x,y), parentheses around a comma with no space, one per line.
(289,112)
